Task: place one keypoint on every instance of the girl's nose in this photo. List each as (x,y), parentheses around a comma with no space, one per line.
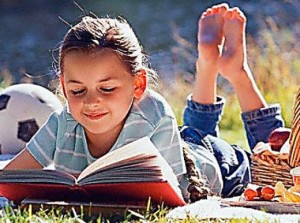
(92,100)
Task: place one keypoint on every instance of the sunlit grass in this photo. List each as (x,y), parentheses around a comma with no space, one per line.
(59,215)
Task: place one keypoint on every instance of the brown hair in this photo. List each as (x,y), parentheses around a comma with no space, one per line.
(92,35)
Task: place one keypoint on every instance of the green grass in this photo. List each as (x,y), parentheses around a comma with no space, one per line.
(59,215)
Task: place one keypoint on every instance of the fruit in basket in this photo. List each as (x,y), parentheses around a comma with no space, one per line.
(267,193)
(250,194)
(294,189)
(278,137)
(286,195)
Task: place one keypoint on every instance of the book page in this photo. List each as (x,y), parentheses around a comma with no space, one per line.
(127,152)
(142,152)
(36,176)
(146,168)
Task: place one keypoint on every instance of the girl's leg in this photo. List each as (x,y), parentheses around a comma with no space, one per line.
(259,119)
(204,109)
(226,167)
(261,122)
(233,64)
(210,39)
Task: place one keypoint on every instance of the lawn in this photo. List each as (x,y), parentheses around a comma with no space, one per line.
(60,215)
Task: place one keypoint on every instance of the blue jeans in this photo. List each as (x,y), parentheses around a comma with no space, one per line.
(226,166)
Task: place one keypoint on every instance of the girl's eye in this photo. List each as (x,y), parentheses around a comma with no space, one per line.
(77,92)
(107,89)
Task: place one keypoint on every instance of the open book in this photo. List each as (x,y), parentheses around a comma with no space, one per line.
(133,172)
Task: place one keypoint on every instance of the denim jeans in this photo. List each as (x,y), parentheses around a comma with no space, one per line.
(226,166)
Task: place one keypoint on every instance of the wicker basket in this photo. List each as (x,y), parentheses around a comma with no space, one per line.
(269,167)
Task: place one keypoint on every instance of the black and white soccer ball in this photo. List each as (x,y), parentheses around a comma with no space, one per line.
(23,110)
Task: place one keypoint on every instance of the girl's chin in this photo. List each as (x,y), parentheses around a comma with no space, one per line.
(95,130)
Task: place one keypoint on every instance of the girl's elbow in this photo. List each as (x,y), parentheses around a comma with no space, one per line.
(23,160)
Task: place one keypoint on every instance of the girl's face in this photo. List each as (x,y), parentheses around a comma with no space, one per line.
(100,91)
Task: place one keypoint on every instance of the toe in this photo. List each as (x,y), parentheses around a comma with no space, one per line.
(209,12)
(238,14)
(229,14)
(223,8)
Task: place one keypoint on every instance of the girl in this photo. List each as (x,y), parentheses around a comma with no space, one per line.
(104,77)
(105,80)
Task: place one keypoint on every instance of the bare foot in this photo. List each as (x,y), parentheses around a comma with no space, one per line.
(233,63)
(210,38)
(210,32)
(234,56)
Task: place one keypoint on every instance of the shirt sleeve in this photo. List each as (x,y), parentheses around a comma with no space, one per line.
(42,145)
(166,138)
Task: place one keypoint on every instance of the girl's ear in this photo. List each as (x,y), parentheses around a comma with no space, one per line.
(140,83)
(62,83)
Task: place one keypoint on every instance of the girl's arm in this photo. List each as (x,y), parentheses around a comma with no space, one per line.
(23,160)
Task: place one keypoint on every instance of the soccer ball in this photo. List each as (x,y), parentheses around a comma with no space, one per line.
(23,110)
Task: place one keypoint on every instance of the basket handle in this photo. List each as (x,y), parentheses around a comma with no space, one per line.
(294,140)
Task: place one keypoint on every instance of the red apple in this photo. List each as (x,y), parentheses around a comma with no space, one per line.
(267,193)
(278,137)
(250,194)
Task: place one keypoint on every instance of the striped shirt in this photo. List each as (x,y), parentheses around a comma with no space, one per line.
(61,141)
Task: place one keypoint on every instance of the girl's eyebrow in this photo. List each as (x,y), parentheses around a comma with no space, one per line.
(79,82)
(74,82)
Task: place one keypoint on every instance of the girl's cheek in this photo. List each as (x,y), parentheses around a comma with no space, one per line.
(74,101)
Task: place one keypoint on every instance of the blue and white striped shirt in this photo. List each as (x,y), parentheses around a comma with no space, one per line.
(61,140)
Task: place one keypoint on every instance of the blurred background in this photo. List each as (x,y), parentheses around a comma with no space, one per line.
(31,31)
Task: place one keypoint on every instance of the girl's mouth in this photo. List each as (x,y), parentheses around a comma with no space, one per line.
(94,116)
